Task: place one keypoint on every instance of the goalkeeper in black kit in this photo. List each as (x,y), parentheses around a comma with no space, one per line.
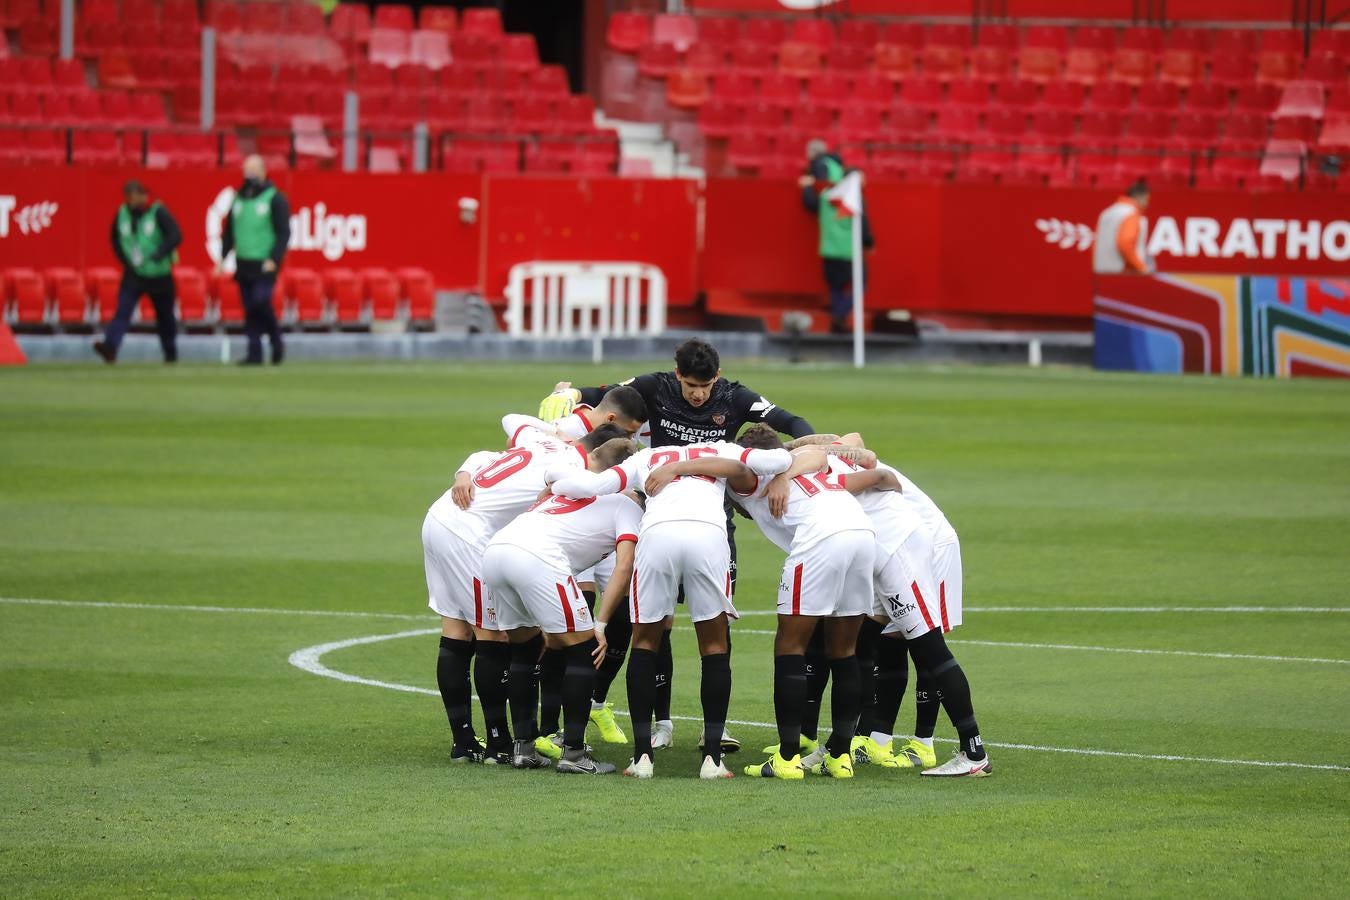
(693,404)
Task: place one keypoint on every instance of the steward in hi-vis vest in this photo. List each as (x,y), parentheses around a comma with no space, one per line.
(145,241)
(1122,235)
(256,231)
(825,169)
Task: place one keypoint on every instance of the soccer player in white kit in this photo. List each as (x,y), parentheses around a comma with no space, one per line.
(683,540)
(918,582)
(827,574)
(528,568)
(490,489)
(623,407)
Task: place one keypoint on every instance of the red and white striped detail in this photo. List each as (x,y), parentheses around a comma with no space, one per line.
(923,607)
(797,590)
(477,603)
(942,606)
(567,608)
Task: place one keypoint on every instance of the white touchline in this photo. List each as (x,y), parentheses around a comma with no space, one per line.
(1145,652)
(172,607)
(308,660)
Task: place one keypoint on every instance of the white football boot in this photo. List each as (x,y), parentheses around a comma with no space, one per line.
(960,766)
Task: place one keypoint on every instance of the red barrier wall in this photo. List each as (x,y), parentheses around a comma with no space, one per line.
(951,248)
(1013,250)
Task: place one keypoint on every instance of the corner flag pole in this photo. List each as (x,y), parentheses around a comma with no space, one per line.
(858,352)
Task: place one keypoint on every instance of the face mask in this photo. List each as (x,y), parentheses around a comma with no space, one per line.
(253,182)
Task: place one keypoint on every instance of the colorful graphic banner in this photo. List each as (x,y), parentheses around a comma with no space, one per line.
(1262,325)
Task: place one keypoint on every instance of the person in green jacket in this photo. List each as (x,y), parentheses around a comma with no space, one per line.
(824,169)
(145,240)
(257,229)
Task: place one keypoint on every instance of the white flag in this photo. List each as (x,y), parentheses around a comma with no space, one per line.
(846,195)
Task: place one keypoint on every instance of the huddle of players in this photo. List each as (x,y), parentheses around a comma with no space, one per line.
(872,575)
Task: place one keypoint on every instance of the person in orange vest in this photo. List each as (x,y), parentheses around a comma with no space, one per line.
(1122,235)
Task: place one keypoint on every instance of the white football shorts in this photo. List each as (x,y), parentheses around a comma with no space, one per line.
(694,554)
(525,591)
(454,576)
(831,578)
(919,587)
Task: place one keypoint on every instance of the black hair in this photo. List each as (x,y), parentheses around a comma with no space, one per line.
(600,435)
(133,187)
(1138,189)
(760,437)
(696,358)
(626,401)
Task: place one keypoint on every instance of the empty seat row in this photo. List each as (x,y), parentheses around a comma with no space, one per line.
(305,297)
(89,108)
(630,32)
(353,21)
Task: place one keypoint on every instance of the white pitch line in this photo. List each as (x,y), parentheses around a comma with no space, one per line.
(1125,609)
(308,659)
(1146,652)
(172,607)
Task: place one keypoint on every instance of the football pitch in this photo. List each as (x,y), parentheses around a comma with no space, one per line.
(217,666)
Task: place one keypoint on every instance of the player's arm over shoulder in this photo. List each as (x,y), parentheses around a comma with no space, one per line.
(755,407)
(644,384)
(516,424)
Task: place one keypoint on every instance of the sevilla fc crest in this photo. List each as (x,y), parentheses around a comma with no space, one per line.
(719,420)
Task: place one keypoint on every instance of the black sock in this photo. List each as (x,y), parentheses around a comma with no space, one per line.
(490,665)
(551,668)
(789,700)
(715,692)
(577,684)
(665,668)
(525,689)
(954,691)
(843,705)
(927,704)
(641,695)
(817,677)
(868,636)
(892,677)
(452,677)
(619,633)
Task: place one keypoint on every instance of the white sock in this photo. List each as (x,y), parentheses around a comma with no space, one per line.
(881,737)
(595,705)
(665,722)
(927,742)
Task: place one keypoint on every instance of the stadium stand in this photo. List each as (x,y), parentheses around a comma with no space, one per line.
(968,93)
(279,62)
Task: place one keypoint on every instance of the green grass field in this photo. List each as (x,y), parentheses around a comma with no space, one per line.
(170,537)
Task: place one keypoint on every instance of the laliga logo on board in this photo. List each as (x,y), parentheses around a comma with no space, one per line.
(312,229)
(31,219)
(1196,237)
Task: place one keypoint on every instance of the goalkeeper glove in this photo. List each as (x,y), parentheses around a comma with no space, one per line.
(559,404)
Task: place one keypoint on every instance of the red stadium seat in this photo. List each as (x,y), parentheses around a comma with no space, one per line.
(922,93)
(1277,67)
(1232,70)
(439,18)
(1086,65)
(190,285)
(225,292)
(391,15)
(1113,95)
(720,31)
(1195,132)
(390,46)
(1064,95)
(1017,94)
(1296,128)
(417,287)
(764,30)
(484,22)
(1302,99)
(519,53)
(1180,66)
(906,34)
(627,32)
(895,61)
(306,292)
(799,59)
(102,283)
(943,61)
(956,124)
(1207,98)
(432,50)
(782,88)
(28,296)
(380,290)
(1132,65)
(66,295)
(343,289)
(1245,132)
(1257,98)
(1284,159)
(687,89)
(1328,68)
(350,24)
(968,92)
(1040,64)
(1161,95)
(678,31)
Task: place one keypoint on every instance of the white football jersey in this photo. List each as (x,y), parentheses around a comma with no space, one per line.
(692,498)
(892,517)
(507,484)
(818,507)
(574,427)
(574,535)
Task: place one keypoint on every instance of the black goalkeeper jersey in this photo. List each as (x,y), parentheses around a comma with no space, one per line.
(729,407)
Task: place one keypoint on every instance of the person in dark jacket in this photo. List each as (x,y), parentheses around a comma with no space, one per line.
(145,240)
(257,229)
(824,170)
